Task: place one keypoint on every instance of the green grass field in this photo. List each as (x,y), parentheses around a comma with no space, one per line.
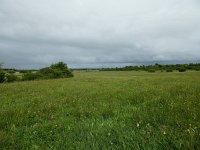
(102,110)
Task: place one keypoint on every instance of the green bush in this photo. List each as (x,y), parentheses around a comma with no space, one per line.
(31,76)
(11,78)
(58,70)
(169,70)
(151,70)
(47,72)
(60,66)
(182,70)
(2,74)
(10,71)
(2,77)
(23,71)
(70,74)
(61,69)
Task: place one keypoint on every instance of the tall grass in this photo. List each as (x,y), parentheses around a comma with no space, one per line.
(102,110)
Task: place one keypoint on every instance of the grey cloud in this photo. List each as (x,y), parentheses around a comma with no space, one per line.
(35,33)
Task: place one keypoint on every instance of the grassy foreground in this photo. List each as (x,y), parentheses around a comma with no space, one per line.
(102,110)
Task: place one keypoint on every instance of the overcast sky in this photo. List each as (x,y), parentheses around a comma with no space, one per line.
(36,33)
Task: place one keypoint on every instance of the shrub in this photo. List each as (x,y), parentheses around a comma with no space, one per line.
(47,72)
(59,65)
(62,68)
(11,71)
(11,78)
(2,76)
(50,73)
(23,71)
(31,76)
(70,74)
(58,70)
(151,70)
(169,70)
(181,69)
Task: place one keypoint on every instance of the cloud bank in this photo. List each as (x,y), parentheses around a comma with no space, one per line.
(35,33)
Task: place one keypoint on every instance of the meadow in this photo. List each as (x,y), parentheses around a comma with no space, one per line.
(102,110)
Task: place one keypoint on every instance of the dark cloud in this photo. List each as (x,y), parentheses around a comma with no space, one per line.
(35,33)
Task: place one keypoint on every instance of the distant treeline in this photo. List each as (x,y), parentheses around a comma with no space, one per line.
(157,67)
(58,70)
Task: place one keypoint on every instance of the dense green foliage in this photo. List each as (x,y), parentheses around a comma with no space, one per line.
(169,70)
(2,74)
(182,70)
(31,76)
(58,70)
(158,67)
(11,78)
(102,110)
(151,70)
